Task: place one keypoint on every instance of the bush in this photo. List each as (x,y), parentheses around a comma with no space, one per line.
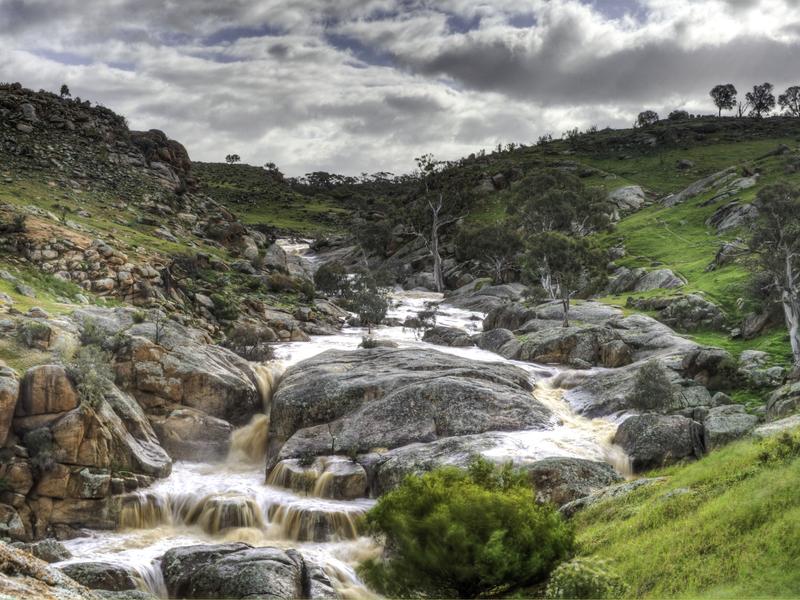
(92,333)
(91,371)
(225,307)
(462,533)
(306,287)
(31,333)
(331,279)
(250,341)
(369,342)
(371,305)
(281,282)
(678,115)
(780,448)
(585,578)
(39,443)
(652,389)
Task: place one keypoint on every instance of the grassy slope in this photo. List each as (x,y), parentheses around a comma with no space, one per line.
(257,198)
(725,526)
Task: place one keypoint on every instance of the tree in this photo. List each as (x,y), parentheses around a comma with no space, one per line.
(646,118)
(232,158)
(761,100)
(65,91)
(552,200)
(370,303)
(790,101)
(464,534)
(331,278)
(494,246)
(441,200)
(776,241)
(678,115)
(564,265)
(724,96)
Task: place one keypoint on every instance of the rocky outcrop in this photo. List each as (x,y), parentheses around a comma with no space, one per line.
(102,576)
(732,216)
(46,389)
(562,480)
(684,313)
(724,424)
(701,186)
(784,401)
(24,576)
(481,296)
(48,550)
(652,441)
(607,493)
(241,571)
(641,280)
(626,200)
(447,336)
(191,434)
(9,392)
(344,402)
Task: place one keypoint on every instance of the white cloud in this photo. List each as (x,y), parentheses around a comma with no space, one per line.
(366,85)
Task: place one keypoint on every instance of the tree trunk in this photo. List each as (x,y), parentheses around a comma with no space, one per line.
(437,258)
(791,313)
(565,306)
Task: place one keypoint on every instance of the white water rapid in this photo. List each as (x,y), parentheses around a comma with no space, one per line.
(229,501)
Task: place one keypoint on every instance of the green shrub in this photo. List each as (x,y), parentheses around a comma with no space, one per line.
(463,533)
(368,342)
(331,279)
(225,307)
(281,282)
(306,287)
(39,443)
(250,341)
(92,333)
(30,333)
(585,578)
(652,389)
(780,448)
(371,305)
(139,316)
(91,371)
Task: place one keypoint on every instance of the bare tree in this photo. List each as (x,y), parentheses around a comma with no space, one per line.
(440,203)
(776,241)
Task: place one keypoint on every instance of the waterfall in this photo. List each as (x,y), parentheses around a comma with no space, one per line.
(310,524)
(152,579)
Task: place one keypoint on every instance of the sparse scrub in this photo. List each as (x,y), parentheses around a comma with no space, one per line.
(39,443)
(593,579)
(251,341)
(91,371)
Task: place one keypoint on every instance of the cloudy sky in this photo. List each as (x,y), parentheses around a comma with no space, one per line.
(365,85)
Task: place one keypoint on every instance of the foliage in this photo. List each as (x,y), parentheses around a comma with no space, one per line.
(761,100)
(790,101)
(464,533)
(370,303)
(678,115)
(64,92)
(780,448)
(369,342)
(29,332)
(232,158)
(226,308)
(39,443)
(652,389)
(776,240)
(331,279)
(250,341)
(585,578)
(646,118)
(552,200)
(92,333)
(91,371)
(494,246)
(373,236)
(724,96)
(564,266)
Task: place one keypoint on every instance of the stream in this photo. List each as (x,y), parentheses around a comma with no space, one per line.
(230,501)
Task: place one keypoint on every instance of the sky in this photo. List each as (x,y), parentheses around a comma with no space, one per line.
(354,86)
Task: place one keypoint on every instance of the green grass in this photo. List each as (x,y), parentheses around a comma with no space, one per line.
(727,526)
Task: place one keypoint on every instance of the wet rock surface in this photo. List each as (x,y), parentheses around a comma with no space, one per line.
(354,401)
(238,570)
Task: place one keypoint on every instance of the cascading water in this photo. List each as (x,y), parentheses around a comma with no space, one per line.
(229,501)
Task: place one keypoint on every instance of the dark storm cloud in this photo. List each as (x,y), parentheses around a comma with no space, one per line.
(366,85)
